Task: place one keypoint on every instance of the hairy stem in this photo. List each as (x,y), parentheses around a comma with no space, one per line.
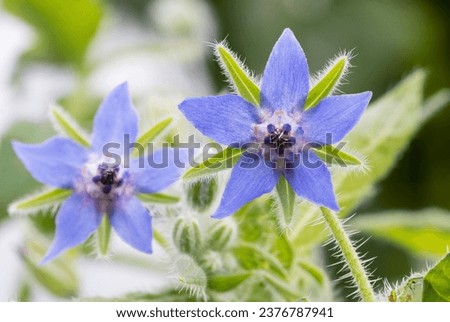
(350,255)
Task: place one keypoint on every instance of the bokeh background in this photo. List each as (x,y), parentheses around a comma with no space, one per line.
(72,52)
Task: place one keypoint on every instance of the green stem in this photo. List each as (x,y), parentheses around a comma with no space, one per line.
(350,255)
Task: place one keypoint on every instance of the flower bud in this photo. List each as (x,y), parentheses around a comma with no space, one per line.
(222,234)
(186,235)
(201,194)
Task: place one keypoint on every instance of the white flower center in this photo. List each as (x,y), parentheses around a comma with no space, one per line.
(104,181)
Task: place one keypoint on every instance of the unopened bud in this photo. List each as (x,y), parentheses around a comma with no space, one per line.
(201,194)
(222,234)
(186,235)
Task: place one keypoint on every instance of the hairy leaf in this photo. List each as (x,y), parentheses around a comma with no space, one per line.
(436,283)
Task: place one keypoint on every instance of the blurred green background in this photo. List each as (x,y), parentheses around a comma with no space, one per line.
(388,38)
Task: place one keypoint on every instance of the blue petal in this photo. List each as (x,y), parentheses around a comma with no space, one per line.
(77,219)
(56,162)
(333,117)
(248,181)
(158,170)
(285,82)
(311,180)
(132,222)
(227,119)
(115,118)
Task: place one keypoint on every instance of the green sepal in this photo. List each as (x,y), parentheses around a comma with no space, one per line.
(436,283)
(224,283)
(285,198)
(150,135)
(330,154)
(223,160)
(237,74)
(158,198)
(39,201)
(328,81)
(67,126)
(104,235)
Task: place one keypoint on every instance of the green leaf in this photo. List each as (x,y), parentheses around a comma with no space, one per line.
(315,272)
(281,248)
(223,160)
(331,154)
(382,135)
(253,258)
(67,126)
(237,74)
(285,199)
(24,292)
(104,235)
(65,28)
(57,277)
(225,283)
(436,283)
(425,232)
(435,103)
(12,172)
(281,287)
(327,82)
(39,201)
(151,135)
(158,198)
(169,296)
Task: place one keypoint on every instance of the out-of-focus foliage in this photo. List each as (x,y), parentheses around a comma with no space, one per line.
(65,28)
(423,232)
(246,257)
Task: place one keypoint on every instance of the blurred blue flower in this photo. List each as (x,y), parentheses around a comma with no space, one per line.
(101,186)
(282,130)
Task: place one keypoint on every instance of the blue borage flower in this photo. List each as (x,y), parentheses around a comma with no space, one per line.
(100,186)
(282,130)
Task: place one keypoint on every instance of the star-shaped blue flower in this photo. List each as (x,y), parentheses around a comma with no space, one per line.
(100,186)
(282,130)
